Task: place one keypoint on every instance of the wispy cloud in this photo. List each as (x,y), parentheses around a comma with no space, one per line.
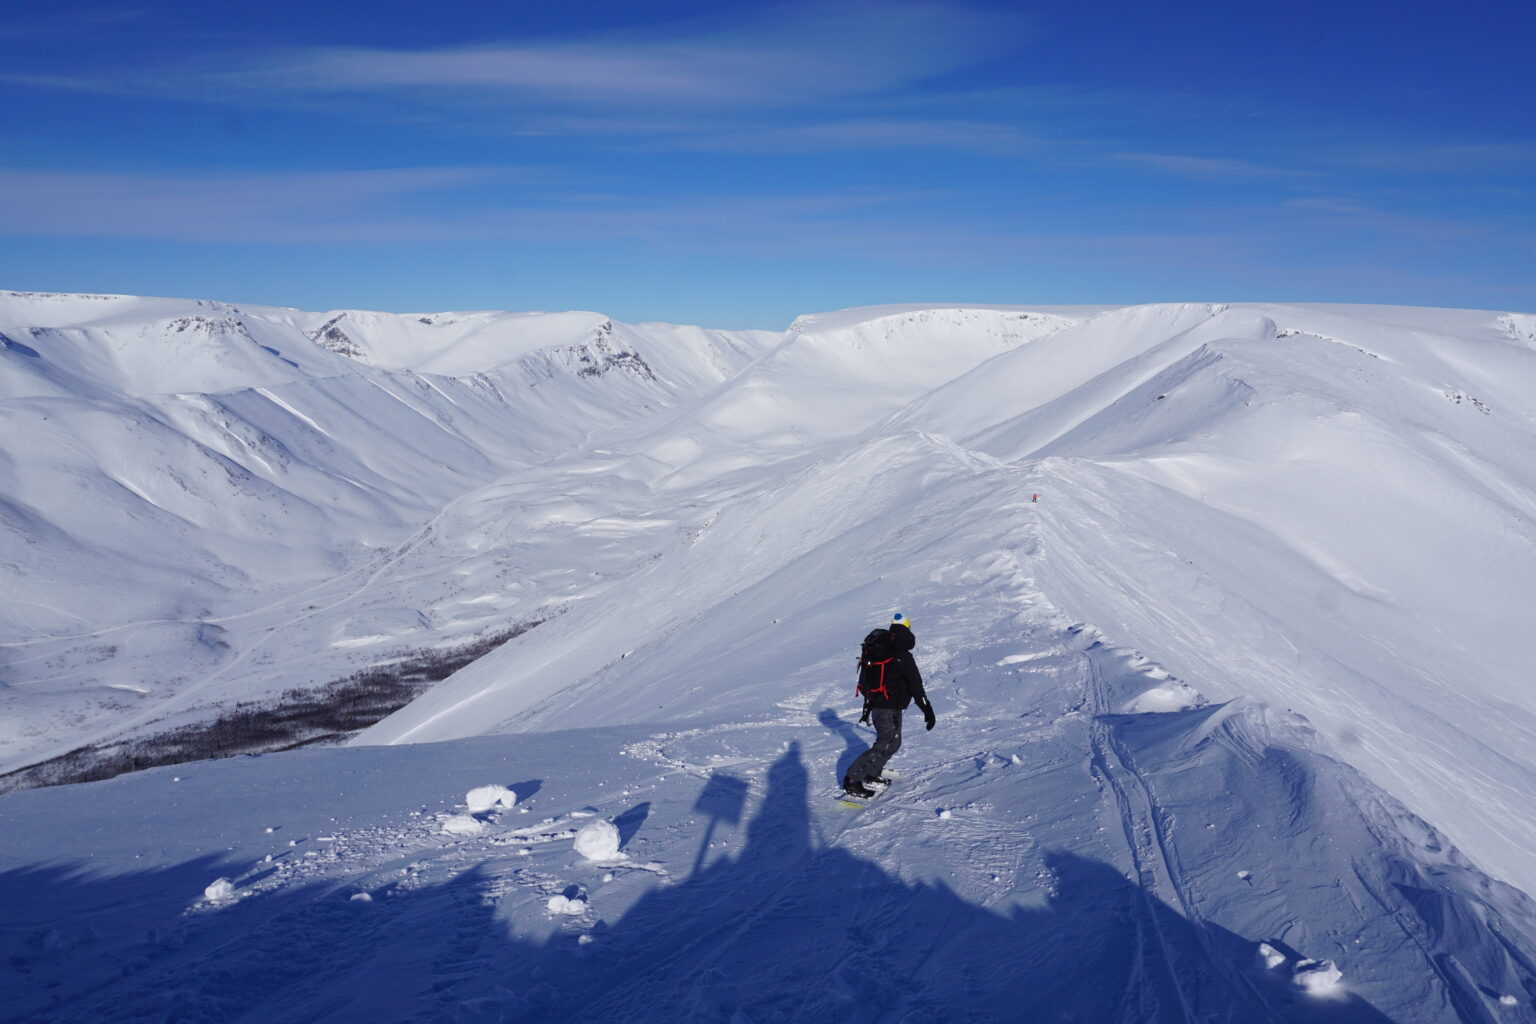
(848,76)
(228,207)
(422,205)
(800,54)
(1205,168)
(405,205)
(872,133)
(1360,216)
(67,21)
(1452,158)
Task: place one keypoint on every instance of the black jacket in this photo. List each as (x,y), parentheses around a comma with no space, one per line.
(903,682)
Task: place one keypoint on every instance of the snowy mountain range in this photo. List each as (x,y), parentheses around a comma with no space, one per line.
(1219,606)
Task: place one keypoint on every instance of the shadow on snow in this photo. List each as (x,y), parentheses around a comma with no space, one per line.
(790,930)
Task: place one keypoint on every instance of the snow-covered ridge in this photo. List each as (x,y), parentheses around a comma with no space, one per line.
(1219,605)
(1285,471)
(141,347)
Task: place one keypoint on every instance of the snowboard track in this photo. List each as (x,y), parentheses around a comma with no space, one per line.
(1147,832)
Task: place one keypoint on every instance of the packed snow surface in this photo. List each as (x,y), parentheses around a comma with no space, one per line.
(1219,607)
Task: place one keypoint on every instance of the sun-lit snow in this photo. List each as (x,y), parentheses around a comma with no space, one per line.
(1219,606)
(241,481)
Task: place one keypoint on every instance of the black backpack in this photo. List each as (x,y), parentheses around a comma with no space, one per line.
(875,657)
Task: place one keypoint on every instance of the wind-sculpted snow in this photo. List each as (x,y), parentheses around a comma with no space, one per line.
(1334,516)
(1219,606)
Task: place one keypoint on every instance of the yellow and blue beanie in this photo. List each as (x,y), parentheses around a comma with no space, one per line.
(901,620)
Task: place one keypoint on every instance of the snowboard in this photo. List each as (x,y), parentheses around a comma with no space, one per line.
(856,803)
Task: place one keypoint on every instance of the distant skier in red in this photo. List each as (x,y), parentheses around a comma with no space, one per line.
(888,681)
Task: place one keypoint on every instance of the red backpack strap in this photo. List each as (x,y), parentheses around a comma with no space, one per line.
(881,690)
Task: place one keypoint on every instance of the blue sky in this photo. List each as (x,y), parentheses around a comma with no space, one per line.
(737,164)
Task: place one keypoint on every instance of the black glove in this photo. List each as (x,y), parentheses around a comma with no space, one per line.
(928,716)
(864,718)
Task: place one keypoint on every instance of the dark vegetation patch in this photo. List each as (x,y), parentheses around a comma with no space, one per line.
(296,718)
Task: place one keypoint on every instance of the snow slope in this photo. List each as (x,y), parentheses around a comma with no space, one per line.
(1306,505)
(1233,722)
(182,479)
(1042,856)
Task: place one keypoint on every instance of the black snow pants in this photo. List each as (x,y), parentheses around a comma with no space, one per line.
(887,742)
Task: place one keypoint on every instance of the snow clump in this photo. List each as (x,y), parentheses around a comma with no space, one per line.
(599,840)
(1317,977)
(485,798)
(564,905)
(462,825)
(220,890)
(1270,957)
(1170,696)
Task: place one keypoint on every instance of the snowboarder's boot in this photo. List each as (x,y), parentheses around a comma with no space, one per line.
(877,780)
(855,789)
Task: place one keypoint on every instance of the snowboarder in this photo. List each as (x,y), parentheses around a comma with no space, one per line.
(888,681)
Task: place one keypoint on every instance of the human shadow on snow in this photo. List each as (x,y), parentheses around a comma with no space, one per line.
(853,743)
(794,928)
